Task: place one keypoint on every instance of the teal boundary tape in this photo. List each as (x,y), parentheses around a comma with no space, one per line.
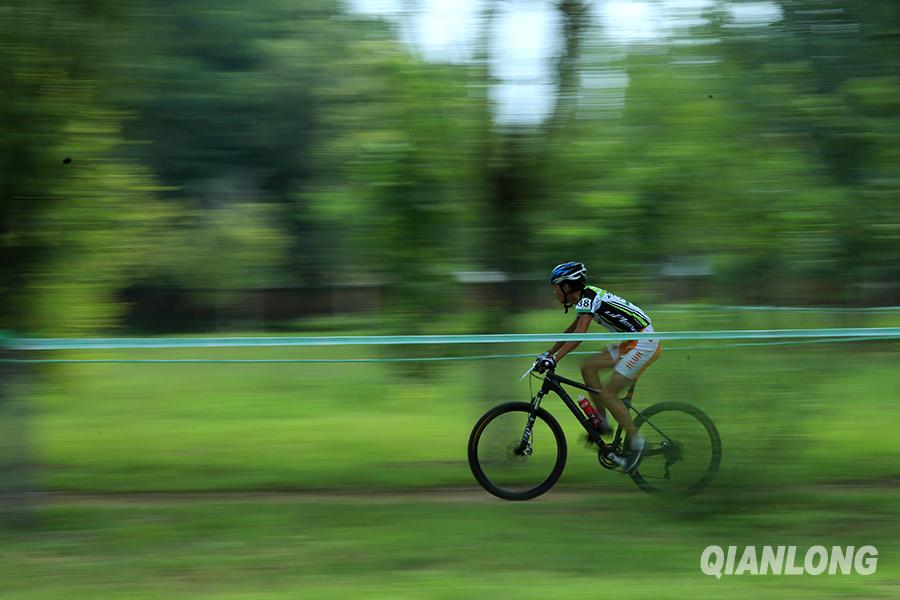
(871,310)
(241,342)
(401,359)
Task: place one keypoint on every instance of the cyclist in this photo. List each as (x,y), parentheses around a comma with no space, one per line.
(628,359)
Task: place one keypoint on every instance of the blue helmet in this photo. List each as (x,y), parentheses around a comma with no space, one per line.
(567,271)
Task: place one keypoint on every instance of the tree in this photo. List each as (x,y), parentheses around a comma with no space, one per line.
(75,215)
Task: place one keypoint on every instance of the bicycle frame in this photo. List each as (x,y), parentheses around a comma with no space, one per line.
(553,383)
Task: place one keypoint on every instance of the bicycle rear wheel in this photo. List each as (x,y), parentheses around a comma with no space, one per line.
(511,463)
(682,449)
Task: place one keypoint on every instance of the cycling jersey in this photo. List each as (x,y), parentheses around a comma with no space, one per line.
(611,311)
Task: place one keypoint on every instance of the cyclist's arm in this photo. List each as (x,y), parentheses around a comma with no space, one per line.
(582,322)
(569,329)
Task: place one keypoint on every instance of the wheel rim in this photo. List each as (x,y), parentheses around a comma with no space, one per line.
(503,463)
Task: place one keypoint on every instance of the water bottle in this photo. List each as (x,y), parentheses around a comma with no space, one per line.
(590,411)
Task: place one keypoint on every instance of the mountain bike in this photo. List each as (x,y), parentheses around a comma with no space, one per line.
(517,450)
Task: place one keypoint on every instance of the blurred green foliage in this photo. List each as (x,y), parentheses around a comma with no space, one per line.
(222,149)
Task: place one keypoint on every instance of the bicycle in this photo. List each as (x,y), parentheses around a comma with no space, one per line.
(516,463)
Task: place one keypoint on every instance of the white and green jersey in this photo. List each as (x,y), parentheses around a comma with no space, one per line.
(611,311)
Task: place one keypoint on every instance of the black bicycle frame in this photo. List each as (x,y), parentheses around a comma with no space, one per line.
(553,382)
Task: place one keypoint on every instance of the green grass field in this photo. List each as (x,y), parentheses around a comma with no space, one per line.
(458,546)
(368,490)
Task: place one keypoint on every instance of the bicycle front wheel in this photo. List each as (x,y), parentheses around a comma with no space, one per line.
(510,460)
(682,449)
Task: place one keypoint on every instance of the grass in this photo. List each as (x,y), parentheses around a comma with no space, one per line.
(406,547)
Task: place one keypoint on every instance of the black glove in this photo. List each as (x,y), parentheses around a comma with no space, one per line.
(544,363)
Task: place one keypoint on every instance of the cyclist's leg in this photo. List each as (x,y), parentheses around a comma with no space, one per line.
(610,398)
(590,373)
(626,371)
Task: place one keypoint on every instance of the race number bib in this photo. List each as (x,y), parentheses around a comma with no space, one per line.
(584,305)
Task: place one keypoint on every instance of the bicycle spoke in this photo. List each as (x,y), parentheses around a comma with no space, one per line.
(680,454)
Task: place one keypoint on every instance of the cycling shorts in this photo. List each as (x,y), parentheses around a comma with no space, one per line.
(633,356)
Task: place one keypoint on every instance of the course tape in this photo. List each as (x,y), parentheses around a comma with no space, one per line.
(391,360)
(366,340)
(871,310)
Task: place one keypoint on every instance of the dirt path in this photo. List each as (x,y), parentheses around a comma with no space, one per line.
(382,496)
(391,496)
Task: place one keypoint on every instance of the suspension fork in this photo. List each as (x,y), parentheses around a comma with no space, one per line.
(546,386)
(525,445)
